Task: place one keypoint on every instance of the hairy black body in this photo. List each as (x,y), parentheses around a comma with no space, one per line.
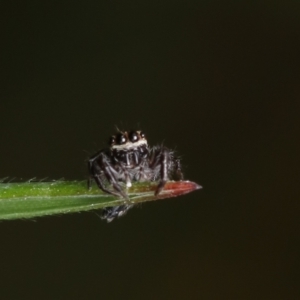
(129,159)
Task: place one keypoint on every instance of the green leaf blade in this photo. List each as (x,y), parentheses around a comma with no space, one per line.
(36,199)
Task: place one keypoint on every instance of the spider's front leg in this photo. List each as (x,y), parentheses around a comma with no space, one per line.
(98,167)
(177,168)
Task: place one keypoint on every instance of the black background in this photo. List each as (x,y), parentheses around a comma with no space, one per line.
(218,81)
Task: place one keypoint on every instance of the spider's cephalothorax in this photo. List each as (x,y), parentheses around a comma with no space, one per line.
(130,159)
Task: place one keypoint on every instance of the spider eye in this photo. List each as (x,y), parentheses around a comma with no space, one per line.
(121,139)
(133,137)
(142,134)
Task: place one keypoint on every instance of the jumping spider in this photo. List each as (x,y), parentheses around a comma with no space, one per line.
(129,159)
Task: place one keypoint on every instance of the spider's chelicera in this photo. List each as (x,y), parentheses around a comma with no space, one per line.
(130,159)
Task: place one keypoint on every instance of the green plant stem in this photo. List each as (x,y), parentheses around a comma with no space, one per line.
(33,199)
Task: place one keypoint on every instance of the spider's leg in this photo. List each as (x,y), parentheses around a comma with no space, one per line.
(163,160)
(98,177)
(99,165)
(96,172)
(143,173)
(100,184)
(109,213)
(123,163)
(115,183)
(178,169)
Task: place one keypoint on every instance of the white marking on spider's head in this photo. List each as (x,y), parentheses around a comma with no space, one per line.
(130,145)
(128,140)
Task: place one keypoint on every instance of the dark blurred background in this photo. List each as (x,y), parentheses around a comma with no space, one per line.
(218,81)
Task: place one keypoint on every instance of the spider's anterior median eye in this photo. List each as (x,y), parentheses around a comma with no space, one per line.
(142,134)
(133,137)
(121,139)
